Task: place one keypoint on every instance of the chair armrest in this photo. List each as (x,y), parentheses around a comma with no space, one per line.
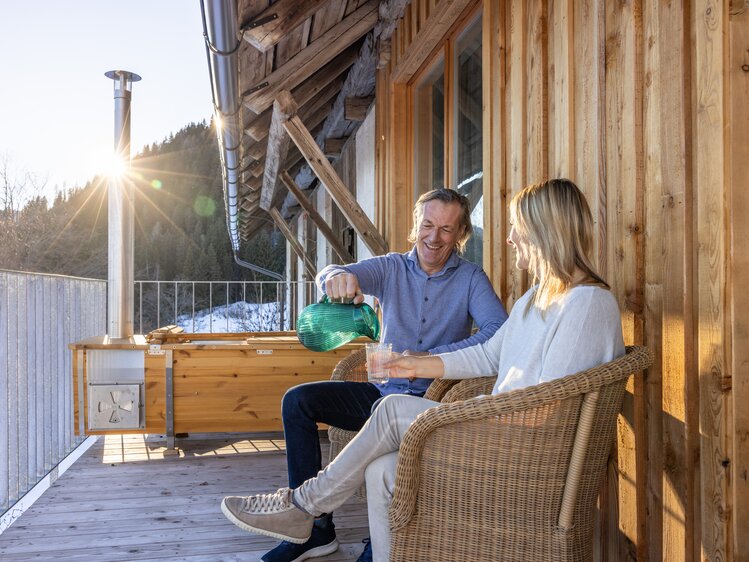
(407,473)
(469,388)
(351,368)
(439,388)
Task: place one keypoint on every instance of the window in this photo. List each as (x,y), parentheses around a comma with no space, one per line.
(447,119)
(429,130)
(467,112)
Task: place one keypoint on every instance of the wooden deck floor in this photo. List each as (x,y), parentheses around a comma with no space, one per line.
(123,500)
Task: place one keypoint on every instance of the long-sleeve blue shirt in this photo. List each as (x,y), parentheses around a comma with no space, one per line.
(423,312)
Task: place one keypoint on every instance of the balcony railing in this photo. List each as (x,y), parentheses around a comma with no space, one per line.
(39,316)
(220,306)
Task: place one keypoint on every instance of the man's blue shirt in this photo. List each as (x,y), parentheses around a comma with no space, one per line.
(423,312)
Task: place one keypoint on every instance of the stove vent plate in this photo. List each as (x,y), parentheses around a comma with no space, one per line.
(114,406)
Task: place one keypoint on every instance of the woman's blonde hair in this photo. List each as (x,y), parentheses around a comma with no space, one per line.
(554,220)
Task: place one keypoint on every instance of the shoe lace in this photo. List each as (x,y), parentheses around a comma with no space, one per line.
(268,503)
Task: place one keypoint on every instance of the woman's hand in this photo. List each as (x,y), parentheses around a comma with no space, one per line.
(411,367)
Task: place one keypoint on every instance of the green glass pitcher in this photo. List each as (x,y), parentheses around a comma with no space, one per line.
(328,325)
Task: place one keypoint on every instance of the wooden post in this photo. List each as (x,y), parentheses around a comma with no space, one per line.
(278,145)
(738,99)
(710,181)
(309,267)
(338,191)
(320,223)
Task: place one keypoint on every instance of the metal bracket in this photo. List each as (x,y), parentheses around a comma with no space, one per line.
(260,21)
(170,448)
(81,422)
(254,89)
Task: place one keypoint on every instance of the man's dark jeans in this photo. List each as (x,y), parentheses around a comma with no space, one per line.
(343,404)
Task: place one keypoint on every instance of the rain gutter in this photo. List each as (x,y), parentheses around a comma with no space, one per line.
(221,47)
(221,42)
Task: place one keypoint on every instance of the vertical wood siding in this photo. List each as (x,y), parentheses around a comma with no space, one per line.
(645,104)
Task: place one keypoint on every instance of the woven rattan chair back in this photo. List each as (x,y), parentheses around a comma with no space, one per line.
(512,477)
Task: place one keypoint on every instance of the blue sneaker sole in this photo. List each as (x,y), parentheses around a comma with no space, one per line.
(323,550)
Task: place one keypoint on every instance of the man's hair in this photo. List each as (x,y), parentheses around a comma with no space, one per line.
(446,196)
(554,220)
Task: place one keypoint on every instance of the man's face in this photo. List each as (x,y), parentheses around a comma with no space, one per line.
(439,232)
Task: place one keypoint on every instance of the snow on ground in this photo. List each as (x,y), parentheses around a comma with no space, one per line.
(237,317)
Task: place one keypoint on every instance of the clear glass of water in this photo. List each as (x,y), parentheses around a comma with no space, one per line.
(377,355)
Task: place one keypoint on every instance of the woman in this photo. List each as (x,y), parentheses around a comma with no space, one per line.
(567,322)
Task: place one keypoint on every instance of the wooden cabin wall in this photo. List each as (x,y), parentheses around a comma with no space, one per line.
(644,104)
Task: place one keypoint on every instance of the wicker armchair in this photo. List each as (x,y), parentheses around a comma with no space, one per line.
(511,477)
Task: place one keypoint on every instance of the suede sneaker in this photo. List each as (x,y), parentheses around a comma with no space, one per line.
(274,515)
(321,543)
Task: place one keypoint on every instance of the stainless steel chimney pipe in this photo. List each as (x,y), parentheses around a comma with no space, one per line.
(120,297)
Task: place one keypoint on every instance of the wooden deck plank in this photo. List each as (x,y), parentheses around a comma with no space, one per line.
(162,508)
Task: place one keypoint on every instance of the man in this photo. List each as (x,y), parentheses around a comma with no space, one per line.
(430,298)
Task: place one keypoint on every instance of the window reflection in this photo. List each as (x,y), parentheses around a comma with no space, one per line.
(429,127)
(467,133)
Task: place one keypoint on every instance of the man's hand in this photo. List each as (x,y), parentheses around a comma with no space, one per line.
(344,286)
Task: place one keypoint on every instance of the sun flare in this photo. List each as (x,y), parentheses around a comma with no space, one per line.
(118,166)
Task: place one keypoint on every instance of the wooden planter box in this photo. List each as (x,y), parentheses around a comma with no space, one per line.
(192,383)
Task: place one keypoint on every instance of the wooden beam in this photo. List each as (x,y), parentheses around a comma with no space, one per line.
(293,159)
(283,17)
(355,108)
(254,184)
(245,192)
(312,58)
(333,147)
(320,223)
(440,20)
(293,242)
(258,127)
(317,84)
(329,79)
(311,113)
(338,191)
(257,149)
(278,145)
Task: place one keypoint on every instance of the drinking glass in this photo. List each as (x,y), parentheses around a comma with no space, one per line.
(377,355)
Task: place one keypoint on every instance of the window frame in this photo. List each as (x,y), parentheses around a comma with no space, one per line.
(446,51)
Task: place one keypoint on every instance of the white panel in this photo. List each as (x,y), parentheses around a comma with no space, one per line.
(365,174)
(323,206)
(115,365)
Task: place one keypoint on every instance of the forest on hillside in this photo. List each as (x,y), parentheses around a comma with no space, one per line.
(180,224)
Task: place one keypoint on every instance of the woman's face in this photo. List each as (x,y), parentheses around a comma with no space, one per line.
(521,248)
